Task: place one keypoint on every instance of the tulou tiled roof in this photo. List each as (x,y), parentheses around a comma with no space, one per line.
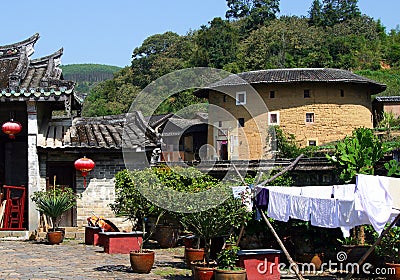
(24,78)
(293,75)
(176,126)
(387,99)
(108,132)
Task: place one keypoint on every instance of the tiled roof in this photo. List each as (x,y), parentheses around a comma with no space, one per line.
(105,132)
(387,99)
(176,126)
(23,78)
(294,75)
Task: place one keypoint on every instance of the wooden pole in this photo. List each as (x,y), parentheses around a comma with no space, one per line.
(292,263)
(372,248)
(283,171)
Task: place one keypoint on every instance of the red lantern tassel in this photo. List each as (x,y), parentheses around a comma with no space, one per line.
(84,174)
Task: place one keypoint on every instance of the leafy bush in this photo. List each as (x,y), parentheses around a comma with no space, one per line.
(228,257)
(357,154)
(185,189)
(389,247)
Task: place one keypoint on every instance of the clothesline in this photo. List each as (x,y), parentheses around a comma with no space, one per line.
(345,206)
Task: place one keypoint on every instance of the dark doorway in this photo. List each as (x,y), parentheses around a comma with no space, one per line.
(63,175)
(223,151)
(14,151)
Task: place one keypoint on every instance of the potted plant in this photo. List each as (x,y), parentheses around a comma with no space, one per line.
(212,223)
(227,265)
(389,250)
(130,203)
(53,203)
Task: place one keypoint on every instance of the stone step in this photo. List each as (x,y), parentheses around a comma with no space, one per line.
(70,232)
(14,235)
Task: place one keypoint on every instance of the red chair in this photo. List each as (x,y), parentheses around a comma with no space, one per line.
(15,206)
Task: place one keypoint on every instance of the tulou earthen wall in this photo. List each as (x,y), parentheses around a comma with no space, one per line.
(338,109)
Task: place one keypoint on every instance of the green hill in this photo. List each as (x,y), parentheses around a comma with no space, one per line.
(86,75)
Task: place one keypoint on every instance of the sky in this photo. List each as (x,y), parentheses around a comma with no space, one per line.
(106,32)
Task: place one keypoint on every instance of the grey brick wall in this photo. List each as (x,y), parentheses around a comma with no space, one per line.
(100,184)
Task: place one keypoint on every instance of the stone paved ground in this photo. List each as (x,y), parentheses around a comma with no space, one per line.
(72,259)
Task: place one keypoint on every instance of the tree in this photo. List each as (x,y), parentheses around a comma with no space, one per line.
(158,55)
(392,49)
(336,11)
(215,44)
(315,13)
(111,97)
(255,12)
(358,154)
(355,43)
(285,42)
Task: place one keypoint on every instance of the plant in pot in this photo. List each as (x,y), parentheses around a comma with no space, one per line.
(227,265)
(131,203)
(202,204)
(212,223)
(54,203)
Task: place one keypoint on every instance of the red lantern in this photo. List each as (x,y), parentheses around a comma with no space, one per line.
(11,128)
(84,165)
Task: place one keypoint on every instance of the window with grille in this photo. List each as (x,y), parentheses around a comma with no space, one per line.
(309,117)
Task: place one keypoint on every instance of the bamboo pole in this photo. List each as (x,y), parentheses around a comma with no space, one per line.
(283,171)
(372,248)
(292,263)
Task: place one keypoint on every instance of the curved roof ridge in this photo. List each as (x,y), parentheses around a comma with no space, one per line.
(54,55)
(30,40)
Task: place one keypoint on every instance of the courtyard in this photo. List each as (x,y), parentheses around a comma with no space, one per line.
(72,259)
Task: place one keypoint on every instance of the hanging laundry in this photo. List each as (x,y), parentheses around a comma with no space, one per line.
(373,197)
(245,194)
(299,207)
(277,206)
(324,212)
(262,199)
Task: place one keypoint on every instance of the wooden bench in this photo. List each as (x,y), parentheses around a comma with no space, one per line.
(120,242)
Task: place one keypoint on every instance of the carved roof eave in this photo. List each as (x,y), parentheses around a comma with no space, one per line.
(32,40)
(21,69)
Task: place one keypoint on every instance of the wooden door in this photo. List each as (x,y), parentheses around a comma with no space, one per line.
(64,177)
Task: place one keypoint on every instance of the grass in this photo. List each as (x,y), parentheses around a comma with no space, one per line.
(172,271)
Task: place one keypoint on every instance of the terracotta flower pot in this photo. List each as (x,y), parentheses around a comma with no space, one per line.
(393,271)
(223,274)
(55,237)
(167,236)
(142,262)
(203,273)
(315,259)
(192,255)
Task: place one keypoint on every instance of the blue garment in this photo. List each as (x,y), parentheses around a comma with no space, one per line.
(262,199)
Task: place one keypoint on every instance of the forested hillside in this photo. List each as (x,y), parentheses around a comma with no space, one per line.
(86,75)
(335,34)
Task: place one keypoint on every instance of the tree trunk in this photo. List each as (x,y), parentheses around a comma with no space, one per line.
(361,235)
